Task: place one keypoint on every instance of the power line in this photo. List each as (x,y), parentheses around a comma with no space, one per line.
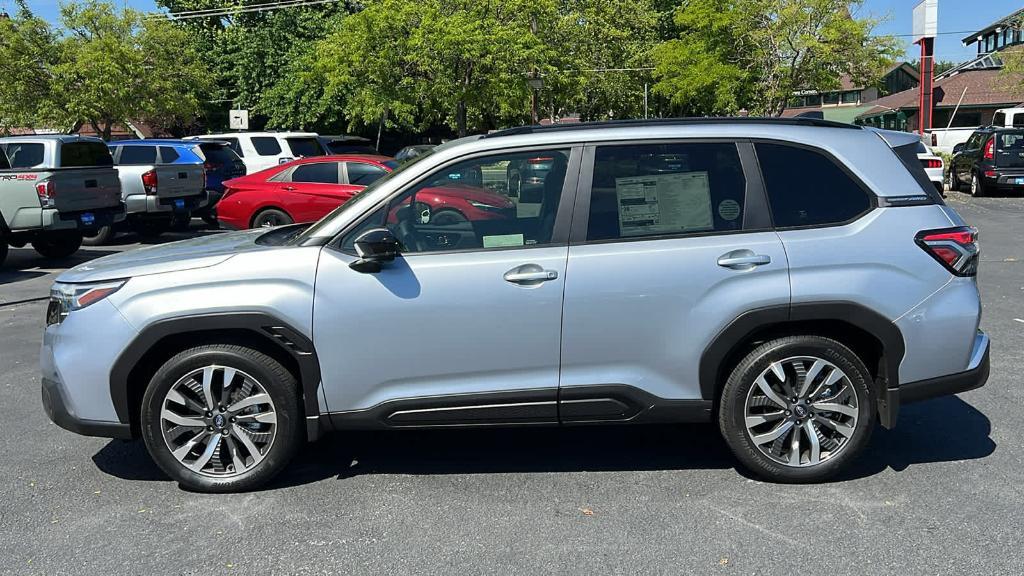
(231,11)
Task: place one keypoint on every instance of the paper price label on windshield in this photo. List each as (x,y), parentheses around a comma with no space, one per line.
(664,204)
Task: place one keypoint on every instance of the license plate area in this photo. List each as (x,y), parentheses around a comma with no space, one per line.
(87,218)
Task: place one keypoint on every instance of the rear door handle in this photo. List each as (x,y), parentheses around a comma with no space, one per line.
(743,260)
(530,275)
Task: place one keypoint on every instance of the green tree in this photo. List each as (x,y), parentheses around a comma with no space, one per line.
(755,54)
(28,52)
(102,67)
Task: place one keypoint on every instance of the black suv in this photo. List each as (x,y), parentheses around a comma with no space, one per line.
(992,159)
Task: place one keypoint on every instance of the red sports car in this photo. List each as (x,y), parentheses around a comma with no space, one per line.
(306,189)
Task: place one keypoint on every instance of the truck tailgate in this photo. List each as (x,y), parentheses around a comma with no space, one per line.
(179,180)
(80,189)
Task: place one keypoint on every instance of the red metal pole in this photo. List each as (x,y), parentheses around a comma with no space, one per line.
(925,98)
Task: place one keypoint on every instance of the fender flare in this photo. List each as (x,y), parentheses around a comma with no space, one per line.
(261,325)
(749,323)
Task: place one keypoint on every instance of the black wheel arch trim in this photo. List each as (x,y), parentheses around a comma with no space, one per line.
(746,325)
(269,328)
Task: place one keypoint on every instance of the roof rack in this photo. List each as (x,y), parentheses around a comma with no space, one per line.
(792,121)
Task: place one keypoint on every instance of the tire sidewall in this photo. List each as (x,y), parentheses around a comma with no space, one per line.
(733,405)
(278,383)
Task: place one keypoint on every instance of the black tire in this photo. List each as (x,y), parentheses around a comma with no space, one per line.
(211,220)
(271,217)
(151,228)
(954,182)
(732,407)
(57,245)
(277,381)
(977,186)
(3,249)
(99,237)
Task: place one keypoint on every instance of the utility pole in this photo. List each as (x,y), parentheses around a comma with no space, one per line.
(645,101)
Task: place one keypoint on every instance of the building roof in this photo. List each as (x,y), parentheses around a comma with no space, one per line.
(1013,20)
(983,88)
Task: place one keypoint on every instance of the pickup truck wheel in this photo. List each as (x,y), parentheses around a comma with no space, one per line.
(98,237)
(57,245)
(798,409)
(977,186)
(222,418)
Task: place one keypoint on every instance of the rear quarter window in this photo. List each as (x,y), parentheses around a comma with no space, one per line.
(84,154)
(25,154)
(266,145)
(305,146)
(218,154)
(168,155)
(137,155)
(807,188)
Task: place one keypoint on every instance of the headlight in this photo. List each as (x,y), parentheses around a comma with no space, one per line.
(66,298)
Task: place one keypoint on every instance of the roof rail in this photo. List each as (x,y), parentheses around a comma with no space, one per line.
(792,121)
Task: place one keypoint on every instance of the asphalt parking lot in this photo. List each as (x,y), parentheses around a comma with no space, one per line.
(940,494)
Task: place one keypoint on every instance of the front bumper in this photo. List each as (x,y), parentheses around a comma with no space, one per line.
(57,409)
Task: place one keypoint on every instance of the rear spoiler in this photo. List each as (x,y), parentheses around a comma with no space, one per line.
(896,139)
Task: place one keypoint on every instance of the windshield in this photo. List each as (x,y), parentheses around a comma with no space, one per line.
(321,223)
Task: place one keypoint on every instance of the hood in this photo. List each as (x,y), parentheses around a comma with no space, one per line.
(172,257)
(472,193)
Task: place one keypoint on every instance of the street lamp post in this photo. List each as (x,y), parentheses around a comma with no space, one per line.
(536,85)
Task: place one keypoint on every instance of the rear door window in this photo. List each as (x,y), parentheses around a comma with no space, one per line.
(305,146)
(137,155)
(363,174)
(85,154)
(652,190)
(25,154)
(807,188)
(266,145)
(319,172)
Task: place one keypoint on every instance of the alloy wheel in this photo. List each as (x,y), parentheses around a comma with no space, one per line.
(218,421)
(801,411)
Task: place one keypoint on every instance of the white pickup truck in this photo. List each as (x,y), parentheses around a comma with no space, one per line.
(54,188)
(946,139)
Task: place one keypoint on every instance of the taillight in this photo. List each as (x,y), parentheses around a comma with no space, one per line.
(990,148)
(932,163)
(955,248)
(47,193)
(149,182)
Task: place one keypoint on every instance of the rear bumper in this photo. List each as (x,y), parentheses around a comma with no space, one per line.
(56,408)
(148,204)
(974,377)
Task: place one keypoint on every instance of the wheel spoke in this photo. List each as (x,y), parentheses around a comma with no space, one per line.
(770,392)
(839,427)
(180,420)
(775,433)
(246,441)
(236,458)
(812,438)
(262,417)
(835,407)
(254,400)
(757,419)
(179,398)
(208,387)
(187,447)
(225,389)
(211,447)
(809,377)
(794,447)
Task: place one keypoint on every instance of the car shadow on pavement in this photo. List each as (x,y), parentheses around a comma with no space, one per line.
(20,263)
(943,430)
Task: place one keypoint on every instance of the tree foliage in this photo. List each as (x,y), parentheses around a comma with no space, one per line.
(100,68)
(732,54)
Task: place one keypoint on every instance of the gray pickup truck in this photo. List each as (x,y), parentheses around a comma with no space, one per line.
(54,188)
(155,191)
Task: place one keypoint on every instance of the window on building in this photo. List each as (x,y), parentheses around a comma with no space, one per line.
(824,193)
(830,98)
(851,97)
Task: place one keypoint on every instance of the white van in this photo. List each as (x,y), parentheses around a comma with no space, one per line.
(262,150)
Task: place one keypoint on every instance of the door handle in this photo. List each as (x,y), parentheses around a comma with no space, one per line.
(288,188)
(743,260)
(529,275)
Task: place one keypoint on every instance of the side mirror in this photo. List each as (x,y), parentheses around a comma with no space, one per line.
(958,148)
(374,247)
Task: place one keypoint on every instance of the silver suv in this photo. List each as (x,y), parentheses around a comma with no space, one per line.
(794,281)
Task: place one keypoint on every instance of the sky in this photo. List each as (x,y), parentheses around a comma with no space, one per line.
(957,18)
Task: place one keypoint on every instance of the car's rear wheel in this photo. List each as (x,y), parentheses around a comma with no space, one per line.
(798,409)
(58,245)
(98,237)
(151,228)
(954,182)
(977,186)
(271,217)
(3,248)
(222,418)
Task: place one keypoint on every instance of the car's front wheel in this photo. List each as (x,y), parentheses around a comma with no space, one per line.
(222,418)
(798,409)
